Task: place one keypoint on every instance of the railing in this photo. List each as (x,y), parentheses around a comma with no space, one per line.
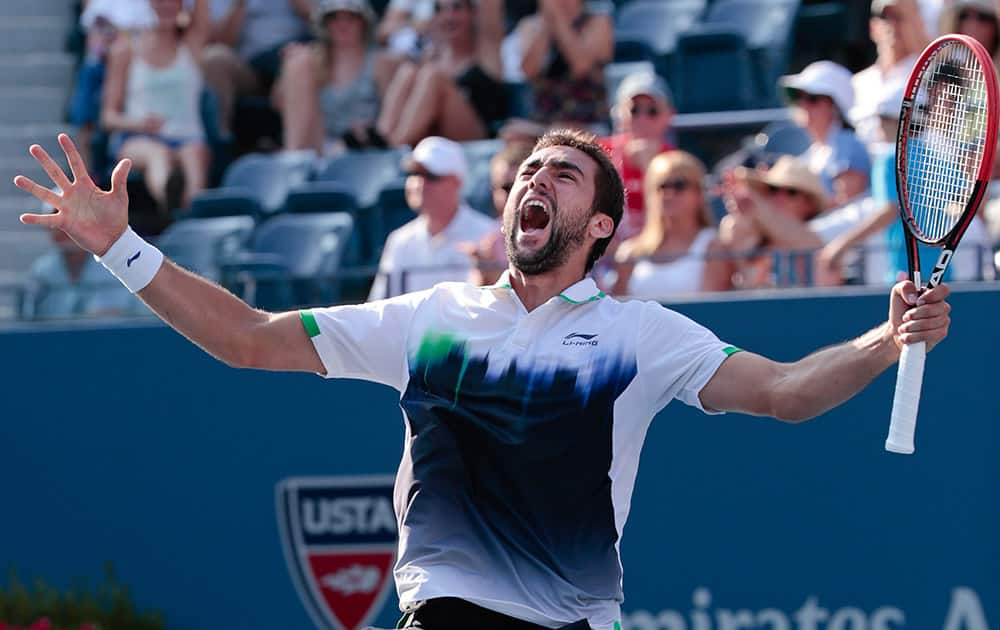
(273,288)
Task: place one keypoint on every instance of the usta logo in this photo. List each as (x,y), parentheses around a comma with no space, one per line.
(362,515)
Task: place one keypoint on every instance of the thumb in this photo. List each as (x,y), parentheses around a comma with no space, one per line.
(119,177)
(907,292)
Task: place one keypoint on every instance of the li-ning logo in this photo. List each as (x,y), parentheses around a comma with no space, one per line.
(128,263)
(579,339)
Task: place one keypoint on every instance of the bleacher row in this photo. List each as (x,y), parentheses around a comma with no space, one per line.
(282,225)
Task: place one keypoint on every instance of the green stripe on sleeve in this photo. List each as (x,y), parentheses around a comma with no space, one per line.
(309,321)
(731,350)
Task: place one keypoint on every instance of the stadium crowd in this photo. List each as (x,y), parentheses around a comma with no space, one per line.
(251,120)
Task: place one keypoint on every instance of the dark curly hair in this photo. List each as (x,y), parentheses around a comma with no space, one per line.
(609,191)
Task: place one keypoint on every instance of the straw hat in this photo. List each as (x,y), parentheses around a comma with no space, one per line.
(789,172)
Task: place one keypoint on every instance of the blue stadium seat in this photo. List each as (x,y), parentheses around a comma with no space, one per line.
(292,260)
(767,27)
(334,197)
(363,173)
(202,245)
(713,72)
(393,211)
(657,23)
(225,202)
(477,190)
(783,139)
(263,178)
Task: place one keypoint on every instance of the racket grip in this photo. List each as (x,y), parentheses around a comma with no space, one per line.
(909,380)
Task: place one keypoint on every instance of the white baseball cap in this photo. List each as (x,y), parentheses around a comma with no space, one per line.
(439,156)
(643,83)
(824,78)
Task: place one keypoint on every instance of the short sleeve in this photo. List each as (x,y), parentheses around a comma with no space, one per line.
(676,357)
(364,341)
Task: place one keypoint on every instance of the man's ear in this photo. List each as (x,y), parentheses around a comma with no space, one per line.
(601,226)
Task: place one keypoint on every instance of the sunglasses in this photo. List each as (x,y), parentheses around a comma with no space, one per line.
(450,6)
(791,192)
(675,185)
(979,16)
(806,98)
(425,175)
(650,111)
(888,16)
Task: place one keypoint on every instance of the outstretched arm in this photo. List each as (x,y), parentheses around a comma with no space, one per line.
(207,314)
(753,384)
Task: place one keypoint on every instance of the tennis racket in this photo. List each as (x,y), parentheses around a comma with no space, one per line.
(945,145)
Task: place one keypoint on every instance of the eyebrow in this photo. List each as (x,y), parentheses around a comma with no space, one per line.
(562,165)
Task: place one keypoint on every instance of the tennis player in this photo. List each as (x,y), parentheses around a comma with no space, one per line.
(525,402)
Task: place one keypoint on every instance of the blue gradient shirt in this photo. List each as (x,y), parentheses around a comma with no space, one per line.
(523,434)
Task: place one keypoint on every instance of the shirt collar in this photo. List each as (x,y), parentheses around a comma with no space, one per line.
(581,292)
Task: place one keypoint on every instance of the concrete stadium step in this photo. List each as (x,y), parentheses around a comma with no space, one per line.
(33,34)
(50,69)
(28,105)
(11,207)
(18,250)
(15,139)
(27,166)
(18,8)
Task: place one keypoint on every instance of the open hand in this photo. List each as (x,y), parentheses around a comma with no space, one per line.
(92,217)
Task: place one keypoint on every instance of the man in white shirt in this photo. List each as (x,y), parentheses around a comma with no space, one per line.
(895,27)
(525,403)
(428,249)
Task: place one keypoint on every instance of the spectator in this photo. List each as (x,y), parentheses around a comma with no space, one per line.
(897,29)
(976,18)
(678,230)
(489,253)
(456,92)
(564,50)
(767,214)
(820,96)
(877,226)
(247,37)
(429,249)
(327,89)
(68,282)
(101,20)
(644,111)
(404,25)
(152,102)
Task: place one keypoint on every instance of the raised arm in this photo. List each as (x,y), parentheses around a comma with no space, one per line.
(793,392)
(211,317)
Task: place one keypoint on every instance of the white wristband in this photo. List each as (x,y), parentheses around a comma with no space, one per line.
(132,260)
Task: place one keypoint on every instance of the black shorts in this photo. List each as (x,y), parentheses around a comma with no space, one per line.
(451,613)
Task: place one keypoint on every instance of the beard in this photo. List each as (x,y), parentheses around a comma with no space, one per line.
(563,240)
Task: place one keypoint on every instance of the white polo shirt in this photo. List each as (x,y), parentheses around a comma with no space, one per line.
(414,260)
(523,434)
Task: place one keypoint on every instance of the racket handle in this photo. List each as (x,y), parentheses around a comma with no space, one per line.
(909,379)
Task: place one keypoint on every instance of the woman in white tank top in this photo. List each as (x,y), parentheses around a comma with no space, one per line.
(667,257)
(152,100)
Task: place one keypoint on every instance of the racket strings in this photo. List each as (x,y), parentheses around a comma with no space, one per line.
(946,137)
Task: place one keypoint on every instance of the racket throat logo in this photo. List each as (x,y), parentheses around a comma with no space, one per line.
(940,267)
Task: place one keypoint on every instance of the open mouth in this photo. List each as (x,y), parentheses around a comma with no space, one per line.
(534,216)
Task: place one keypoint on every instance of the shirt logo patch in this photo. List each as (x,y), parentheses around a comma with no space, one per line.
(580,339)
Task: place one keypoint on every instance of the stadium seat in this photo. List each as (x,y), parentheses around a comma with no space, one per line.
(202,245)
(333,197)
(225,202)
(264,178)
(712,72)
(291,260)
(783,139)
(477,190)
(656,23)
(363,173)
(767,27)
(393,210)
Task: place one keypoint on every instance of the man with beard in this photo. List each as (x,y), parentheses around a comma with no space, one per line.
(525,402)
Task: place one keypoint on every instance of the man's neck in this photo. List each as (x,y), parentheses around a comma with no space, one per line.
(438,221)
(535,290)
